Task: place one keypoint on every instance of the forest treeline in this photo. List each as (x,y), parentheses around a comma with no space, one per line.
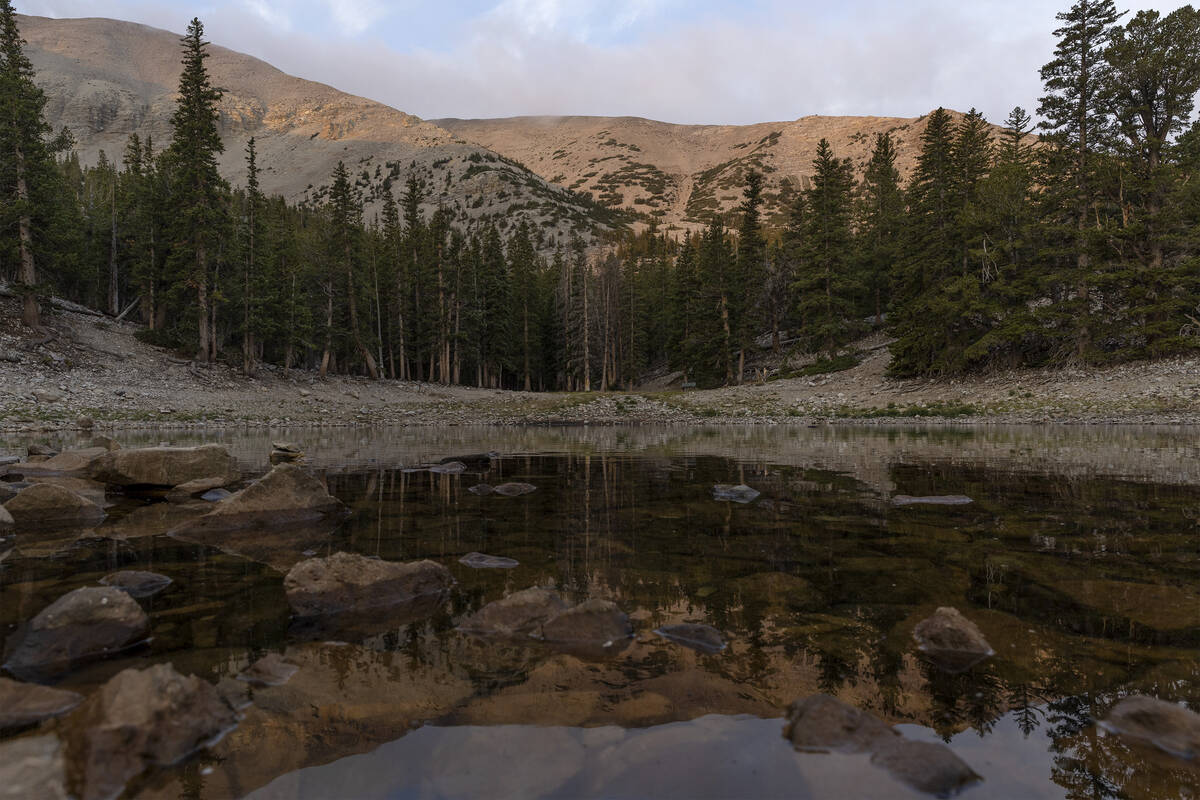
(1074,241)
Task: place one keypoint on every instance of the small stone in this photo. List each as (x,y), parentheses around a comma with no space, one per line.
(42,450)
(451,468)
(901,500)
(216,495)
(952,642)
(704,638)
(85,423)
(270,670)
(349,582)
(47,395)
(481,561)
(514,489)
(735,494)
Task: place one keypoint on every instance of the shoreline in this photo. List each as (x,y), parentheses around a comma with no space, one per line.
(97,369)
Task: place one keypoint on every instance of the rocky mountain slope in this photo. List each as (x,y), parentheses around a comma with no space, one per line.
(106,79)
(681,174)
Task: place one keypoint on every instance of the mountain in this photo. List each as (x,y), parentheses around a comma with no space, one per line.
(106,79)
(681,174)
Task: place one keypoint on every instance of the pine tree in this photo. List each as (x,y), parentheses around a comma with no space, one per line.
(345,218)
(27,169)
(1075,124)
(745,303)
(880,224)
(824,285)
(1152,80)
(198,199)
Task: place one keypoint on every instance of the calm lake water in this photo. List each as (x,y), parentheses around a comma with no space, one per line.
(1079,559)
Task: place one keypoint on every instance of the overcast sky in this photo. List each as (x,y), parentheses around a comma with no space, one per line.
(694,61)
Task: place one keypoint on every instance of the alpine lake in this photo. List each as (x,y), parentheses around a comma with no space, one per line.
(1078,559)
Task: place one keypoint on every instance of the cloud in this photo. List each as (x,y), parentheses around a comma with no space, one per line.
(698,61)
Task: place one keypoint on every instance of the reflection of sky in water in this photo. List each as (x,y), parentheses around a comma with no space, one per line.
(1077,559)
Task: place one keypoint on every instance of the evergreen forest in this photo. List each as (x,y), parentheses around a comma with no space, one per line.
(1066,235)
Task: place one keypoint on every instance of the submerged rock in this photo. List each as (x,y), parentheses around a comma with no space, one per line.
(270,670)
(952,642)
(936,500)
(520,613)
(197,488)
(925,766)
(349,582)
(137,583)
(285,495)
(481,490)
(482,561)
(25,704)
(476,462)
(450,468)
(514,489)
(165,466)
(735,494)
(45,505)
(820,723)
(82,625)
(590,622)
(32,767)
(1167,726)
(140,719)
(704,638)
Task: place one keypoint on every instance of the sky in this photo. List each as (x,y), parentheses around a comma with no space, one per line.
(686,61)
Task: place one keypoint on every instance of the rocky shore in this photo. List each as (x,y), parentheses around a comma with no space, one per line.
(95,370)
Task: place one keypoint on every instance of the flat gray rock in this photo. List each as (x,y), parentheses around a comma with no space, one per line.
(734,494)
(514,489)
(704,638)
(137,583)
(32,767)
(483,561)
(902,500)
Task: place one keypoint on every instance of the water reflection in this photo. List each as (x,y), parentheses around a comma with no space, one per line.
(1077,560)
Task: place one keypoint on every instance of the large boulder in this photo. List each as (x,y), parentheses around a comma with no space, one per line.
(82,625)
(346,582)
(164,466)
(284,496)
(25,704)
(1148,720)
(521,613)
(590,622)
(47,505)
(140,719)
(32,768)
(952,642)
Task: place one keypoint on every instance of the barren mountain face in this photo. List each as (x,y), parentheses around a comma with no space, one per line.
(681,174)
(106,79)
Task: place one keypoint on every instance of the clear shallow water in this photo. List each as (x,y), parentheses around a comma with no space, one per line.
(1079,560)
